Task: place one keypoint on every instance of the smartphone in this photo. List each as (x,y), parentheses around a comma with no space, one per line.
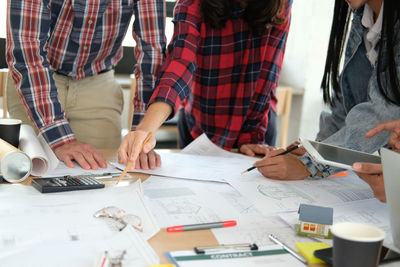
(325,254)
(337,156)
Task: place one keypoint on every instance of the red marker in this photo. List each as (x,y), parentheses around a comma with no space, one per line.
(201,226)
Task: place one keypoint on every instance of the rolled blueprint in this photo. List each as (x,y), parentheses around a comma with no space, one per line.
(43,158)
(15,165)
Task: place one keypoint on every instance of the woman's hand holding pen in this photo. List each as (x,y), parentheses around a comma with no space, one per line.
(282,167)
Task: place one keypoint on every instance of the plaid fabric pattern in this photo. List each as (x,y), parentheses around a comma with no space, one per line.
(77,38)
(224,78)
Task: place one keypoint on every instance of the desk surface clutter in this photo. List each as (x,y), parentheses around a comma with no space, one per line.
(200,184)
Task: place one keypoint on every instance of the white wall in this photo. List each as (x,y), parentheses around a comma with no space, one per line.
(305,57)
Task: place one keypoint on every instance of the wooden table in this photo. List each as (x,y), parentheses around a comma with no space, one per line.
(163,241)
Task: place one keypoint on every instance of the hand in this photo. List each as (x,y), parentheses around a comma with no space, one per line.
(394,127)
(84,154)
(284,167)
(147,161)
(130,150)
(297,152)
(253,149)
(372,174)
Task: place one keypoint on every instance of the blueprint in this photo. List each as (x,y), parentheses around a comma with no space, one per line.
(177,201)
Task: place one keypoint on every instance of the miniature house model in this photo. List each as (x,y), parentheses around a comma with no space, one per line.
(315,220)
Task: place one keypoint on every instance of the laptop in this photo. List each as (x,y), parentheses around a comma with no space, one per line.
(391,177)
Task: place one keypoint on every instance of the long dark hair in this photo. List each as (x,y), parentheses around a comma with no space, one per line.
(259,14)
(340,23)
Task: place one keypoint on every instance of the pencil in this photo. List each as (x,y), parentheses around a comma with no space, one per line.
(280,154)
(129,165)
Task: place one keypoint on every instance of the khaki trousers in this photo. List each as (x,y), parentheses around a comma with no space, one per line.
(92,105)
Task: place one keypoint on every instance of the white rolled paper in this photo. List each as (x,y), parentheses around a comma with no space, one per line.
(43,158)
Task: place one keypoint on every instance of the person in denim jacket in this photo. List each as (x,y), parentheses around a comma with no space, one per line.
(365,94)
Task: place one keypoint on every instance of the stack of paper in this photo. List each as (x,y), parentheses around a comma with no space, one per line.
(60,227)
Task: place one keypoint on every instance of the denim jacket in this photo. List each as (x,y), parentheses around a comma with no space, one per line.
(360,105)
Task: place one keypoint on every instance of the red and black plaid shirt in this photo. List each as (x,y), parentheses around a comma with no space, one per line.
(224,78)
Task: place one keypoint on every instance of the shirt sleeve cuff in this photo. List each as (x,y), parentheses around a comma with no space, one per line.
(316,169)
(137,118)
(169,96)
(57,134)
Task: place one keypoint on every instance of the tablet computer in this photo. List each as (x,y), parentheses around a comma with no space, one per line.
(337,156)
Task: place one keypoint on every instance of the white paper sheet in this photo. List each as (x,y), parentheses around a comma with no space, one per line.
(203,146)
(198,167)
(178,201)
(62,170)
(43,158)
(138,252)
(83,252)
(272,196)
(256,230)
(369,211)
(32,219)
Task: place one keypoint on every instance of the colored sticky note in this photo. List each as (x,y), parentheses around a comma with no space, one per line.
(307,250)
(340,174)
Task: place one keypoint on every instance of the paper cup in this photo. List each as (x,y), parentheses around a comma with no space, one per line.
(9,131)
(15,165)
(356,244)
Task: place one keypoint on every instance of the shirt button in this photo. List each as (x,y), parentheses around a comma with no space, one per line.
(85,47)
(90,21)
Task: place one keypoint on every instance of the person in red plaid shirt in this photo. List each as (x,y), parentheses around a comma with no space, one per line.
(222,67)
(61,54)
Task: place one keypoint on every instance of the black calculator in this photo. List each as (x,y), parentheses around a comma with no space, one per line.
(67,183)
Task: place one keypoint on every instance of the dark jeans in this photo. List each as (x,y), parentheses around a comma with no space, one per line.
(185,138)
(270,135)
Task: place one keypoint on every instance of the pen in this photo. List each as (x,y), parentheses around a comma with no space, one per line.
(291,251)
(201,226)
(129,165)
(247,246)
(280,154)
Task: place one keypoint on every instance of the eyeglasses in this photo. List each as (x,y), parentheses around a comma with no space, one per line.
(118,218)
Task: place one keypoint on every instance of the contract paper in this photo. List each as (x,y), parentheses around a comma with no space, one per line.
(272,256)
(178,201)
(31,220)
(256,230)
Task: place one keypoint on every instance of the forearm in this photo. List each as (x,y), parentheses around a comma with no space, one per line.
(28,27)
(155,116)
(149,34)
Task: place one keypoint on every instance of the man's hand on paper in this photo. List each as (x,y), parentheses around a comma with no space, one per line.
(84,154)
(131,148)
(372,174)
(254,149)
(284,167)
